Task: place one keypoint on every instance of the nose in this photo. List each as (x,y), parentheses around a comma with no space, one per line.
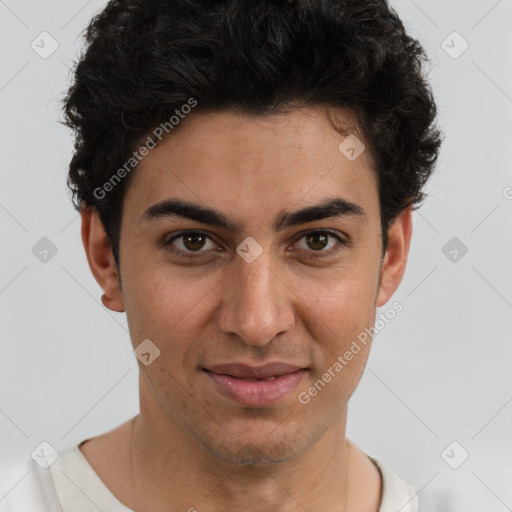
(257,303)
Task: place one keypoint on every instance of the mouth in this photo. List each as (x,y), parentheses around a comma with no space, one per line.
(255,391)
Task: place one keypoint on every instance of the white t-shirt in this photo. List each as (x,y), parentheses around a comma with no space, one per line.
(70,484)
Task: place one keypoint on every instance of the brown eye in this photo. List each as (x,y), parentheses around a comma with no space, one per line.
(194,241)
(318,241)
(189,242)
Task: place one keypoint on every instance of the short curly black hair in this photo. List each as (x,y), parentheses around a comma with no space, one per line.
(144,59)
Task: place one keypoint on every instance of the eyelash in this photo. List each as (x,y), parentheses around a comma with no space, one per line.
(200,254)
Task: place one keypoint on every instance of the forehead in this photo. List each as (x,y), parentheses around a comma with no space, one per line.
(234,162)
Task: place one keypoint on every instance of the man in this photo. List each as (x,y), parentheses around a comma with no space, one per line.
(245,173)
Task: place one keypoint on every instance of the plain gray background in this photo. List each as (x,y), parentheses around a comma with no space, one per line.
(438,373)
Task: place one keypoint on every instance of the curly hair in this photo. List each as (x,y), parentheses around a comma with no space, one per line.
(144,59)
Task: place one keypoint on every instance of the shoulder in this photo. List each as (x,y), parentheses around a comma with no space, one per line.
(397,494)
(43,485)
(27,486)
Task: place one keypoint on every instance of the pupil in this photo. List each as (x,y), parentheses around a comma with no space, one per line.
(191,245)
(314,236)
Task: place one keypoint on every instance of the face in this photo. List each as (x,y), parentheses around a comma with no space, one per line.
(254,284)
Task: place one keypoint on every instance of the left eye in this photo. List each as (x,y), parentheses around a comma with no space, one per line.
(192,239)
(317,240)
(191,242)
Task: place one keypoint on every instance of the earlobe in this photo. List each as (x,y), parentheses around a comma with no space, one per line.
(395,259)
(100,258)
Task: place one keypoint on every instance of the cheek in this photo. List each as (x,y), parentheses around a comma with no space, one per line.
(342,303)
(340,319)
(165,305)
(340,309)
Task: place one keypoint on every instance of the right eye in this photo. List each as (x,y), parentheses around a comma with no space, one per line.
(191,243)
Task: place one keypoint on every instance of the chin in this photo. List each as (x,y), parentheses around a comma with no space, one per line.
(257,448)
(248,454)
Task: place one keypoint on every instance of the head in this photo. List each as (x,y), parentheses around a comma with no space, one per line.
(272,154)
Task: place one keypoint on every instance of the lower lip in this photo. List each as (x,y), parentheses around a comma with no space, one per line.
(256,392)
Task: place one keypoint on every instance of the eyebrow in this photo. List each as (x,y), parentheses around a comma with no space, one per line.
(336,207)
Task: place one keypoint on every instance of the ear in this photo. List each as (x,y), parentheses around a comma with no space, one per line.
(395,258)
(100,258)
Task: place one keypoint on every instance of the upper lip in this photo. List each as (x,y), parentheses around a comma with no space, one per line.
(256,372)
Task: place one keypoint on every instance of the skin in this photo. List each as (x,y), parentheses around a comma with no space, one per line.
(190,447)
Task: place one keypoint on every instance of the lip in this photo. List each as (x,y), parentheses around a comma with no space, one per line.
(241,384)
(246,371)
